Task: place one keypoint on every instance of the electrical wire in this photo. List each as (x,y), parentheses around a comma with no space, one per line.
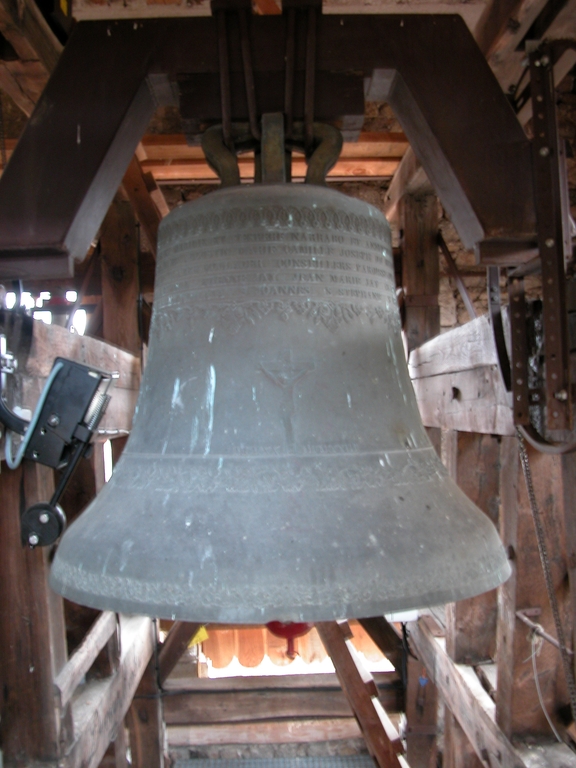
(537,643)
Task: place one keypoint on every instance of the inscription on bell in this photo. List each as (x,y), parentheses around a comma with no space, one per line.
(312,262)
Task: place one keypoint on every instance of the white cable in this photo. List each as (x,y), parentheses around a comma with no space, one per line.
(537,641)
(14,461)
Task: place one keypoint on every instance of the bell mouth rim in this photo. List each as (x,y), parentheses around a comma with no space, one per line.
(311,613)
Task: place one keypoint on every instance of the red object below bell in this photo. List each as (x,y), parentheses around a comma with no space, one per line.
(289,631)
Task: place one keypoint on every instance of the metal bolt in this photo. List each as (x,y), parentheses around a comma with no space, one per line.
(537,63)
(33,540)
(549,242)
(545,60)
(44,518)
(54,420)
(35,454)
(544,151)
(561,395)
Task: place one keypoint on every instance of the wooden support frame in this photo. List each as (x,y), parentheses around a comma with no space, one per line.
(376,46)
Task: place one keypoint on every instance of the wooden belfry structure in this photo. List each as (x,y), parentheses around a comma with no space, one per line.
(79,687)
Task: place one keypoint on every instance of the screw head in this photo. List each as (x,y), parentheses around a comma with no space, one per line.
(33,540)
(54,420)
(544,61)
(44,518)
(562,395)
(544,151)
(549,242)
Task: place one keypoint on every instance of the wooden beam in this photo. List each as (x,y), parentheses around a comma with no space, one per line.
(83,657)
(475,467)
(32,636)
(518,707)
(386,638)
(261,705)
(382,739)
(147,200)
(198,170)
(421,717)
(317,681)
(174,148)
(51,341)
(409,179)
(145,721)
(271,732)
(497,18)
(99,710)
(119,269)
(171,650)
(458,384)
(420,269)
(464,696)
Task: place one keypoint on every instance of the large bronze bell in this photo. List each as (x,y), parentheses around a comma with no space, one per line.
(278,468)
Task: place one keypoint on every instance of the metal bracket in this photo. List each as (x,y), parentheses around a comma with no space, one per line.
(553,238)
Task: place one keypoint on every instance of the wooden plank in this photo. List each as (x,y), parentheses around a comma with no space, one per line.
(251,707)
(464,696)
(99,710)
(83,657)
(176,642)
(459,349)
(273,732)
(329,681)
(174,148)
(470,401)
(383,741)
(198,169)
(205,707)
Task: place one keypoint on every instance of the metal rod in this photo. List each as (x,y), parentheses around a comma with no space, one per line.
(537,629)
(225,96)
(453,269)
(248,74)
(310,80)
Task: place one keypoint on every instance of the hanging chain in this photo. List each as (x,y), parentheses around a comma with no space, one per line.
(542,549)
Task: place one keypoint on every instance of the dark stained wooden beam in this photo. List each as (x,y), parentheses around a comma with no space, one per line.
(438,106)
(119,268)
(382,739)
(173,647)
(32,636)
